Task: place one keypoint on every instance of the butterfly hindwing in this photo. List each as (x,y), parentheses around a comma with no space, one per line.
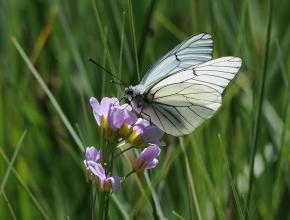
(182,101)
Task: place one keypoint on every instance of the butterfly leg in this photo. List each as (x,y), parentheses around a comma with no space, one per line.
(148,118)
(119,100)
(141,114)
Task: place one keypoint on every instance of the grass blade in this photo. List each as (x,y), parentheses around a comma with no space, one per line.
(86,83)
(190,179)
(8,204)
(103,35)
(121,207)
(49,94)
(178,216)
(284,150)
(131,21)
(154,197)
(121,49)
(230,177)
(12,160)
(2,192)
(173,29)
(142,43)
(25,187)
(259,110)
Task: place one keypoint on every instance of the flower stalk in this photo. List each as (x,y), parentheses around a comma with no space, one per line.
(120,128)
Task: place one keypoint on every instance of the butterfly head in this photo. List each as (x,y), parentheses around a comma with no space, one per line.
(129,93)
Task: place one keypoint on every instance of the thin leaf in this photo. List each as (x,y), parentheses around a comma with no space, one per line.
(25,187)
(49,94)
(86,83)
(132,28)
(191,182)
(260,105)
(231,180)
(12,160)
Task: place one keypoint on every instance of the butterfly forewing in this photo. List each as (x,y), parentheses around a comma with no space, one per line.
(195,50)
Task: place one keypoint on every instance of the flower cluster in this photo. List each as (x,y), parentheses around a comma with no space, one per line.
(120,125)
(118,121)
(112,116)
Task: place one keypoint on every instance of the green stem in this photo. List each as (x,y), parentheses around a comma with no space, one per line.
(107,195)
(154,211)
(102,196)
(128,174)
(94,193)
(121,152)
(107,201)
(259,111)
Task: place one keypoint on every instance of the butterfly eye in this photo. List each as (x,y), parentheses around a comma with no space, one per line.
(130,92)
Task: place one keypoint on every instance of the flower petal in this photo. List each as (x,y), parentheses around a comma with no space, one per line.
(152,164)
(126,106)
(96,109)
(152,134)
(129,117)
(142,122)
(97,169)
(116,183)
(93,154)
(107,104)
(149,153)
(141,125)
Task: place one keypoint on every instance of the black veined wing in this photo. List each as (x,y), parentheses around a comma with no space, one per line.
(195,50)
(182,101)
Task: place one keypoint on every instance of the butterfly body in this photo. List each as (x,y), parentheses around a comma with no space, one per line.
(184,87)
(135,96)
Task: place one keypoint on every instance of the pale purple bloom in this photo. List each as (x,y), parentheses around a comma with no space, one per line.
(92,154)
(147,158)
(103,108)
(149,133)
(110,110)
(121,115)
(128,116)
(106,182)
(95,168)
(92,157)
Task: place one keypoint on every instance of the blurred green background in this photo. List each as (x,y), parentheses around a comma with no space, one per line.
(206,174)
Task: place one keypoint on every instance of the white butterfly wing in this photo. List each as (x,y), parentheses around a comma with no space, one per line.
(195,50)
(183,100)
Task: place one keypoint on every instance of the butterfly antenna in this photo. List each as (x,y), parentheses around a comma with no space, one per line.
(114,82)
(121,82)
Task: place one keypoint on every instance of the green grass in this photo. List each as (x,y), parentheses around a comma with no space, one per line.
(46,81)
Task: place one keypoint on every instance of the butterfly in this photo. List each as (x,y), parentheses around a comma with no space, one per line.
(183,88)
